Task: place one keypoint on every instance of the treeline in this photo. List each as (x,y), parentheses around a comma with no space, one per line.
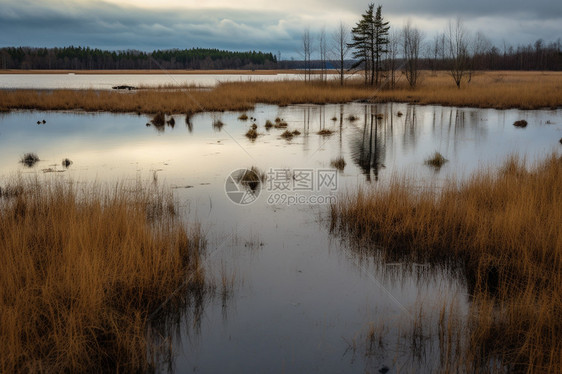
(80,58)
(381,52)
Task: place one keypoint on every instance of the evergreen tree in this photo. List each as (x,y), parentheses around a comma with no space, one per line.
(370,41)
(362,42)
(381,28)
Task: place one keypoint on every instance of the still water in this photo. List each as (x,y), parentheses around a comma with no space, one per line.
(301,300)
(107,81)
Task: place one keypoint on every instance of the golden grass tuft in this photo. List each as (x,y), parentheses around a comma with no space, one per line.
(502,230)
(338,163)
(325,132)
(288,135)
(437,160)
(252,134)
(82,269)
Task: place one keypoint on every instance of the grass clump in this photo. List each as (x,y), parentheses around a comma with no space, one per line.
(29,159)
(287,135)
(66,163)
(325,132)
(520,123)
(252,134)
(268,124)
(243,117)
(83,269)
(437,160)
(338,163)
(159,119)
(495,229)
(218,125)
(352,118)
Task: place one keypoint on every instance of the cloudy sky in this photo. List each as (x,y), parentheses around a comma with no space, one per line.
(269,26)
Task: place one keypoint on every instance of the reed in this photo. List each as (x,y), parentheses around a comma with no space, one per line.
(500,228)
(82,269)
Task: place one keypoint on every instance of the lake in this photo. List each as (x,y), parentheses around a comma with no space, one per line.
(302,299)
(107,81)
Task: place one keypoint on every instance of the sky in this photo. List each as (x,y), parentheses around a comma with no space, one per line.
(269,26)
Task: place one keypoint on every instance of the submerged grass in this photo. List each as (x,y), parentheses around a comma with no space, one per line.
(325,132)
(526,90)
(338,163)
(82,269)
(437,160)
(29,159)
(501,229)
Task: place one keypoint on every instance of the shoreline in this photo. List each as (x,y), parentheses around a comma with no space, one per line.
(152,72)
(494,90)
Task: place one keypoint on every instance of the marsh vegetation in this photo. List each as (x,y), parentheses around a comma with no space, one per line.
(499,229)
(84,268)
(526,90)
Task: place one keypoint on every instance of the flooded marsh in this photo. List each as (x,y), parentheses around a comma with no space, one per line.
(297,296)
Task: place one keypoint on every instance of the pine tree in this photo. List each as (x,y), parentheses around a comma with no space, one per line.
(381,28)
(370,40)
(362,42)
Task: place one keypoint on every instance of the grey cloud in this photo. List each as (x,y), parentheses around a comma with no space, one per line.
(104,25)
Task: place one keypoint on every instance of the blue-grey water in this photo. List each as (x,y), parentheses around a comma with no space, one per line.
(301,299)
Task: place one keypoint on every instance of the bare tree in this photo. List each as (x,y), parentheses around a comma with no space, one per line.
(307,53)
(457,50)
(392,56)
(411,42)
(323,49)
(481,45)
(340,40)
(437,50)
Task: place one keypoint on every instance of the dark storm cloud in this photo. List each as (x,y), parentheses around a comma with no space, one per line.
(34,23)
(537,9)
(110,26)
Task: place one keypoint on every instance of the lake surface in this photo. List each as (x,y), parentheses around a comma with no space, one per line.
(107,81)
(302,299)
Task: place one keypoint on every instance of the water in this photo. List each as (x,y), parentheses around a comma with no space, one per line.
(107,81)
(302,300)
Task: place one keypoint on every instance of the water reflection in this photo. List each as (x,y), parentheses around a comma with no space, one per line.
(303,294)
(368,146)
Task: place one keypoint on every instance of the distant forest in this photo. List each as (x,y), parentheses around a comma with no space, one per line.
(537,56)
(80,58)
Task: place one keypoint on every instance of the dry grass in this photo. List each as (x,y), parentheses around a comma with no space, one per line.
(325,132)
(437,160)
(338,163)
(501,90)
(527,90)
(502,230)
(287,135)
(82,269)
(252,134)
(29,159)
